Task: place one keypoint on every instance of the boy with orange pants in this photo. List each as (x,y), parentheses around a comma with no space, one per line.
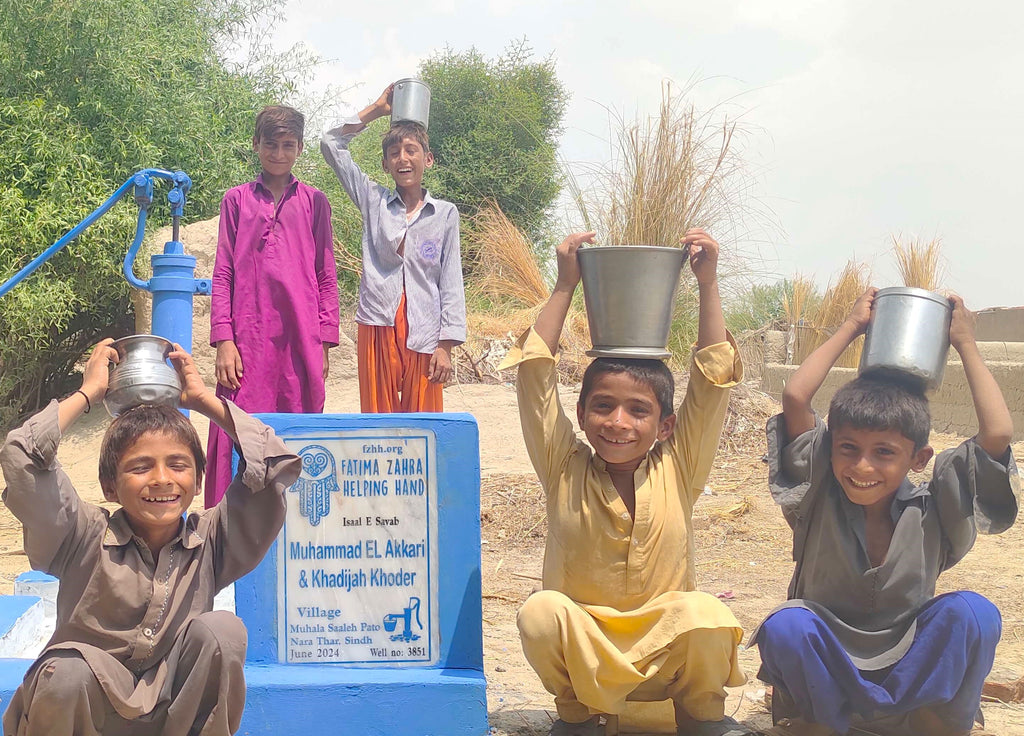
(619,616)
(412,305)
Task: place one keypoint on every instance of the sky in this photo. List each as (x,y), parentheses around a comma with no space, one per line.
(863,120)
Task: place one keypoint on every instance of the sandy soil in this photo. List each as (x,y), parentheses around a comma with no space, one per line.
(743,545)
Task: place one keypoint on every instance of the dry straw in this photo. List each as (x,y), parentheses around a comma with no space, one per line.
(508,279)
(919,263)
(506,268)
(667,174)
(834,307)
(798,299)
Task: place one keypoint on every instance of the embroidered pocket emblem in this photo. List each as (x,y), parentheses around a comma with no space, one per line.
(430,250)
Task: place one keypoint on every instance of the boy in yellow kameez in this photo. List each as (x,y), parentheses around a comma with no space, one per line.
(618,616)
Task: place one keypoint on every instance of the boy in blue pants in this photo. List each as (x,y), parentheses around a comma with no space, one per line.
(863,644)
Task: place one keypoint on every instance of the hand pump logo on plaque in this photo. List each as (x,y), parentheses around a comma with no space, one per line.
(357,559)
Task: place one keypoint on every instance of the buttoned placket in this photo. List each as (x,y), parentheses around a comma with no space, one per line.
(636,560)
(160,591)
(276,205)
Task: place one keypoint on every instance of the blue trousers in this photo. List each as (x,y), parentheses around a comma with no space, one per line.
(944,669)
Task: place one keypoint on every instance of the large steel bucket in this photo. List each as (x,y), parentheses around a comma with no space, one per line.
(143,376)
(908,335)
(629,292)
(410,101)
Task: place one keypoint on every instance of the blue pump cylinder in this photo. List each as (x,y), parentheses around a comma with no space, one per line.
(173,285)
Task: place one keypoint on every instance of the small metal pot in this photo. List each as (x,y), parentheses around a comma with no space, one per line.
(411,101)
(629,291)
(143,375)
(908,335)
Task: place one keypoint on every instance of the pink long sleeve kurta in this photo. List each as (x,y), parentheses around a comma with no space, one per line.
(275,293)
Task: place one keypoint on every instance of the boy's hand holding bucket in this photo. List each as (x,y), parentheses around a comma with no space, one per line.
(961,323)
(567,257)
(702,251)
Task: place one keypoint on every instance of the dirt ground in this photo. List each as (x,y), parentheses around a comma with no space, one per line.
(743,546)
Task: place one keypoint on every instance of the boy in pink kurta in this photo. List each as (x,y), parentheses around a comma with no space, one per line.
(274,312)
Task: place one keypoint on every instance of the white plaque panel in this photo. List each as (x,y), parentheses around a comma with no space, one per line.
(357,558)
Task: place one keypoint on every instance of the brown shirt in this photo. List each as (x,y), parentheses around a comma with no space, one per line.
(117,605)
(873,610)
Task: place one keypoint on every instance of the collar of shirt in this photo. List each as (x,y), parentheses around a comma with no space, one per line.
(639,475)
(906,495)
(293,183)
(394,196)
(119,531)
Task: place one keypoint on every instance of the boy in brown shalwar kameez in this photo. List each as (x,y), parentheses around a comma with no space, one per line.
(137,647)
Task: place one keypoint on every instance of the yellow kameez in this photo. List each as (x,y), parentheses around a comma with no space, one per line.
(619,603)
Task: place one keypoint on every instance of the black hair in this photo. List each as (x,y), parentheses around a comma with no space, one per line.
(881,402)
(653,374)
(405,129)
(274,121)
(128,427)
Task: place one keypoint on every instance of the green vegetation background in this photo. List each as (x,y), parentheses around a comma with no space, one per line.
(93,90)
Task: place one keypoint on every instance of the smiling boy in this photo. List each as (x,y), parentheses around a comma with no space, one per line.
(274,308)
(619,616)
(412,305)
(137,647)
(863,645)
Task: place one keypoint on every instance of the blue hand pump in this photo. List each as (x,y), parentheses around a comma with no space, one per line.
(173,283)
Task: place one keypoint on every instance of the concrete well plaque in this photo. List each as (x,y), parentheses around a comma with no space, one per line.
(367,610)
(358,557)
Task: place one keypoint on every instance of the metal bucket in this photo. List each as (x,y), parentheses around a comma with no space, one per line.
(908,335)
(410,101)
(629,291)
(143,376)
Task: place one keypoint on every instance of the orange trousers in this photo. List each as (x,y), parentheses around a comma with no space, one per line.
(392,378)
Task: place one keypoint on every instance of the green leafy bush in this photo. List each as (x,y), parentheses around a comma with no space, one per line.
(93,90)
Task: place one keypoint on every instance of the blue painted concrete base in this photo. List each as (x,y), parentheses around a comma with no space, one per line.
(309,700)
(322,699)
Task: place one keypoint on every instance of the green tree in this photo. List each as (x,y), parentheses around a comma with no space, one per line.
(494,129)
(90,92)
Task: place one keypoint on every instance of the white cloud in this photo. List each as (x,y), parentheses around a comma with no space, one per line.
(877,116)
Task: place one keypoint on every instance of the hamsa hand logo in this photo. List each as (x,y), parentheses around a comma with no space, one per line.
(318,480)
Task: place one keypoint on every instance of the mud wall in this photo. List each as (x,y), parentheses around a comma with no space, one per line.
(951,406)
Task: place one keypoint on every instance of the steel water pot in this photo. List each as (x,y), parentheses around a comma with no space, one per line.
(143,375)
(629,291)
(908,335)
(410,101)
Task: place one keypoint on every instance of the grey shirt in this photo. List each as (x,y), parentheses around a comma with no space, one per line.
(873,610)
(429,270)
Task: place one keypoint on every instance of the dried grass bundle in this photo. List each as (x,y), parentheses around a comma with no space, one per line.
(834,307)
(509,281)
(839,296)
(798,299)
(919,263)
(668,174)
(507,270)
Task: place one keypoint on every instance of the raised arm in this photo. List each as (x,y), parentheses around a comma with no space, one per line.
(805,382)
(196,397)
(334,147)
(379,108)
(94,385)
(995,425)
(704,264)
(552,315)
